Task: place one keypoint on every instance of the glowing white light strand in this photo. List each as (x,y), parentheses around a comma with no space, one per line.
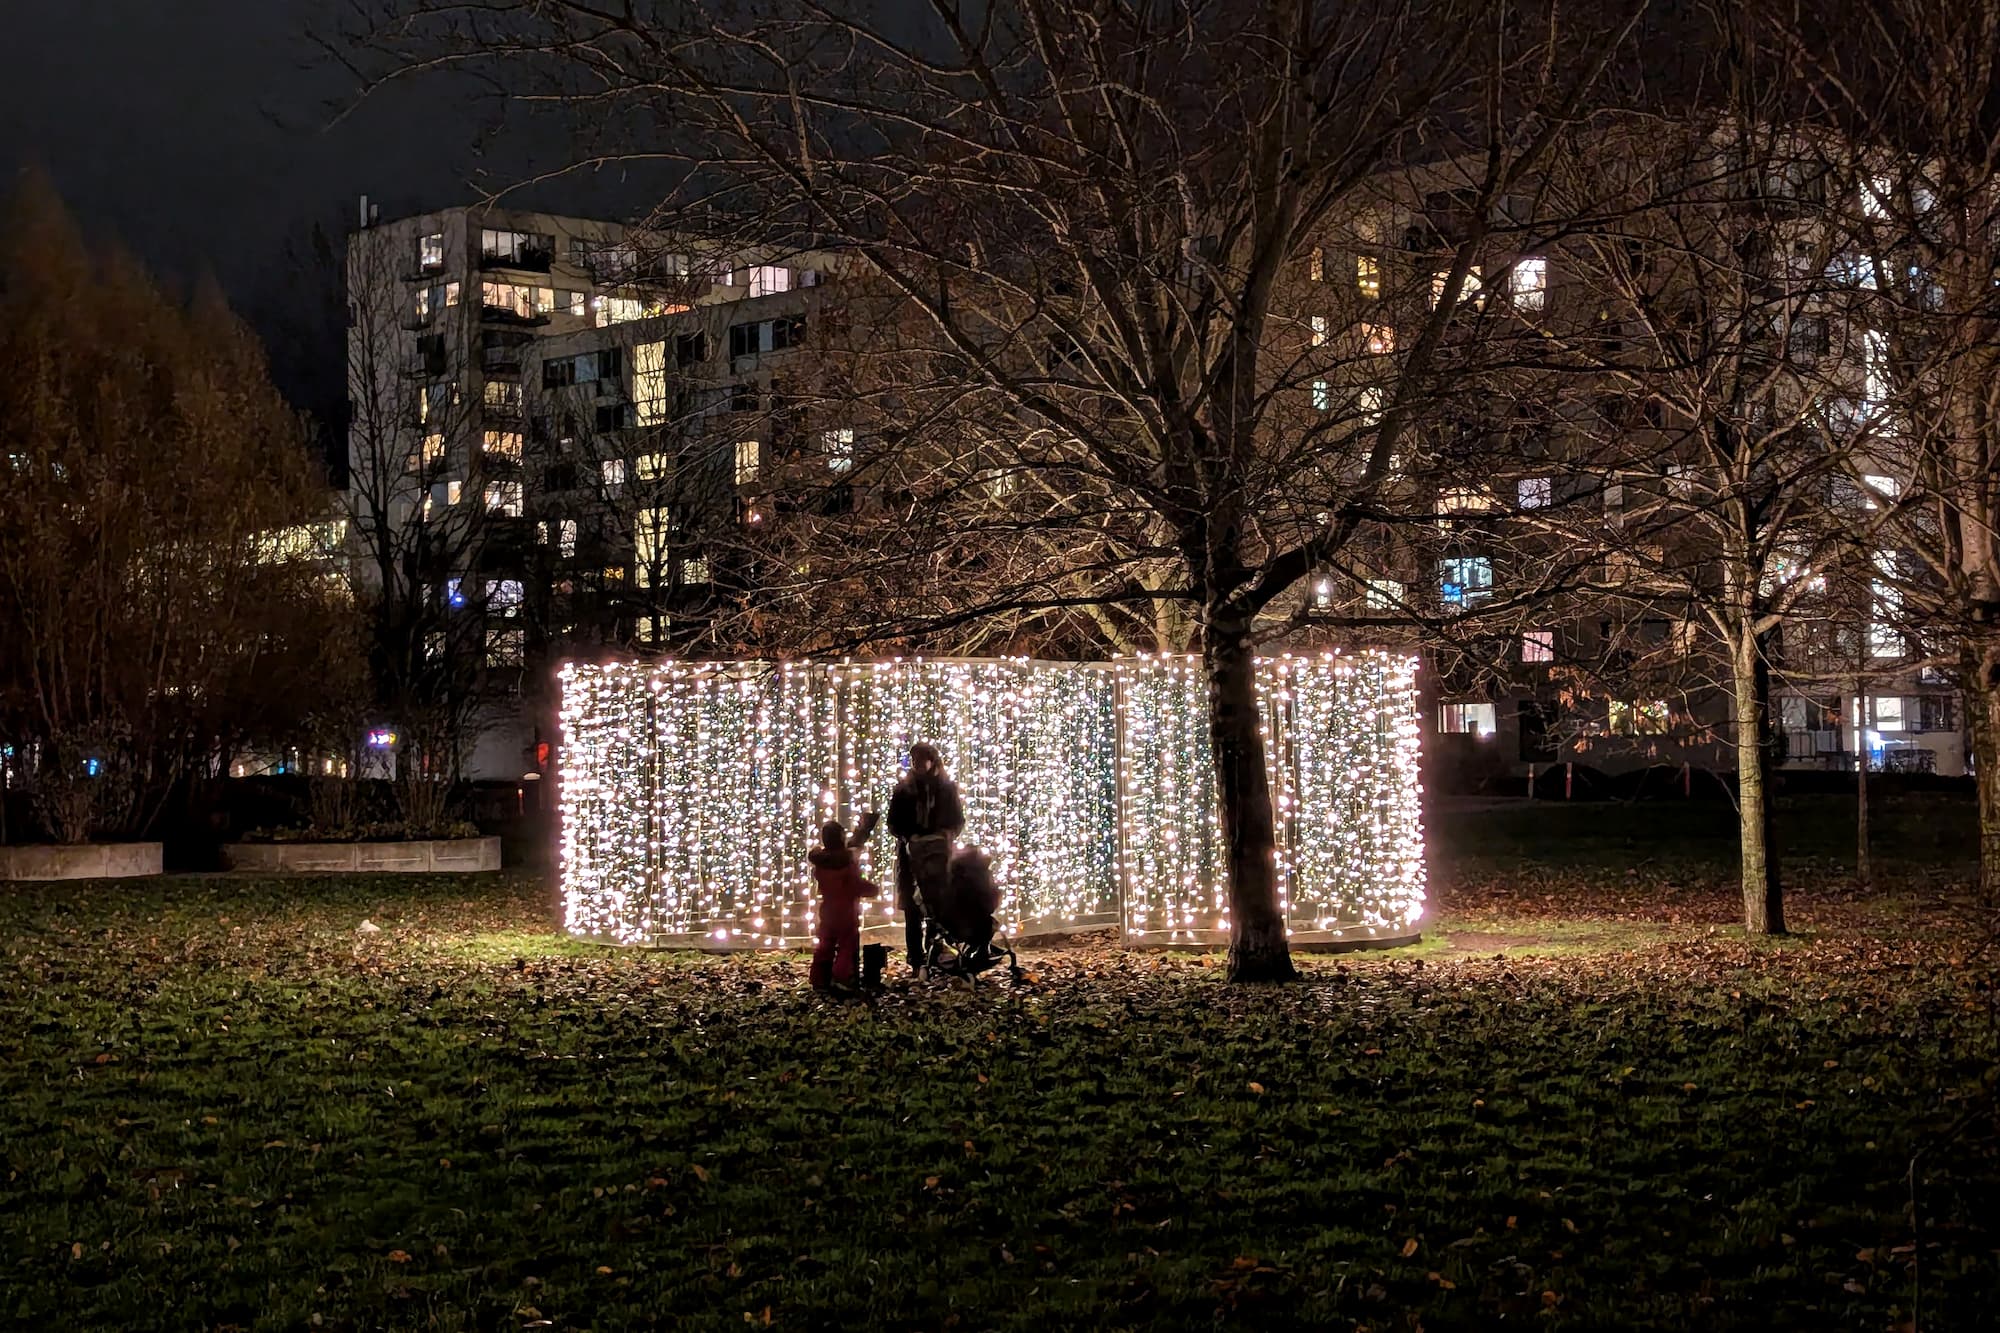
(690,793)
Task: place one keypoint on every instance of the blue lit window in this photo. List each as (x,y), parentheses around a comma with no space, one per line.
(1465,581)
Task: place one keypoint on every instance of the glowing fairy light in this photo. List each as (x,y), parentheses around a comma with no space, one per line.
(691,792)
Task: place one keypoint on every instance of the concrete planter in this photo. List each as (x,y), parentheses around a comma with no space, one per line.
(442,856)
(90,860)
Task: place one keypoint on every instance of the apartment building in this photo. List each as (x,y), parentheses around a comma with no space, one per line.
(1611,663)
(586,428)
(513,376)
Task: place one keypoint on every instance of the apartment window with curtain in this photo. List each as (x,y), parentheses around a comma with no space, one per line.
(1466,719)
(1368,277)
(1530,283)
(649,383)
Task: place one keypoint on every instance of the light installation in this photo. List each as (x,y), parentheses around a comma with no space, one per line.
(690,793)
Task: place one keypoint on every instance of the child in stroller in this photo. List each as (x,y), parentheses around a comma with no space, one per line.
(962,936)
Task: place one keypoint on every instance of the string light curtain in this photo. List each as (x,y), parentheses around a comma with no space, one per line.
(691,792)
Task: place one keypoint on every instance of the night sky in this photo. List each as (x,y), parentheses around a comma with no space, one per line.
(202,134)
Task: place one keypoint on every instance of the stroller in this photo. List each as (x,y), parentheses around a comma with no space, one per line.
(959,898)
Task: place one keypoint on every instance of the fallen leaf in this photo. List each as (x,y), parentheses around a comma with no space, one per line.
(1409,1247)
(699,1173)
(76,1249)
(399,1256)
(603,1271)
(1257,1088)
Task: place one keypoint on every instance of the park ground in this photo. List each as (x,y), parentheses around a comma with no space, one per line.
(1585,1101)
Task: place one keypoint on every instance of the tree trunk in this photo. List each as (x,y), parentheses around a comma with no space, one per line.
(1864,873)
(1763,901)
(1257,946)
(1982,704)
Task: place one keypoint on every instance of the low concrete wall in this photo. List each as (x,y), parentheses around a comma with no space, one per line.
(364,858)
(91,860)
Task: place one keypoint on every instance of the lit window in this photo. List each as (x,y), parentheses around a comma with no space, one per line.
(1875,365)
(505,647)
(421,303)
(619,310)
(838,446)
(1319,329)
(431,450)
(1876,192)
(1465,581)
(1538,645)
(1530,282)
(655,628)
(1384,594)
(1889,713)
(1875,489)
(1322,594)
(1379,339)
(504,498)
(652,467)
(1463,500)
(566,537)
(1316,264)
(1788,565)
(694,571)
(749,461)
(451,294)
(442,495)
(1370,402)
(503,596)
(613,471)
(520,299)
(1368,276)
(1322,395)
(1884,638)
(650,530)
(770,279)
(1680,480)
(502,395)
(1533,492)
(453,593)
(649,383)
(501,443)
(1467,295)
(1648,718)
(1466,719)
(430,250)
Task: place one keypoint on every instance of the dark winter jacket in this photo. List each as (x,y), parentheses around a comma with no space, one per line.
(838,877)
(921,806)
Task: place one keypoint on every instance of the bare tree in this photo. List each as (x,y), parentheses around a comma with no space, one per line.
(1088,214)
(414,523)
(163,596)
(1715,376)
(1906,92)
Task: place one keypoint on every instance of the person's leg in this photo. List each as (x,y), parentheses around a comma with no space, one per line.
(913,934)
(823,943)
(847,949)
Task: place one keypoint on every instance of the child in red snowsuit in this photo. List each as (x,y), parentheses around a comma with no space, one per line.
(837,875)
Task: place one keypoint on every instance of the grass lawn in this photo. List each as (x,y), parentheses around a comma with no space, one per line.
(1584,1102)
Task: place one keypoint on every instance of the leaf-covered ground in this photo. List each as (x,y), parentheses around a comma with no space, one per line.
(1583,1103)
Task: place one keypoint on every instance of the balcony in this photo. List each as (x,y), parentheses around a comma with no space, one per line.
(524,259)
(511,316)
(424,365)
(501,362)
